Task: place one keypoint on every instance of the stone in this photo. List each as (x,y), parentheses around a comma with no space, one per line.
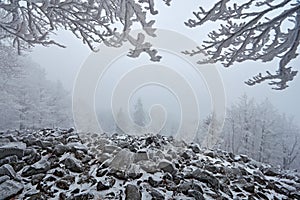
(12,148)
(134,171)
(61,149)
(58,173)
(261,195)
(83,196)
(70,130)
(110,149)
(40,167)
(10,189)
(295,195)
(77,146)
(259,179)
(122,161)
(195,148)
(8,170)
(156,195)
(101,186)
(32,157)
(249,188)
(35,179)
(69,178)
(152,182)
(62,184)
(18,165)
(244,158)
(73,165)
(132,193)
(206,177)
(140,156)
(8,159)
(75,191)
(184,187)
(148,166)
(149,140)
(168,176)
(101,172)
(196,195)
(211,168)
(87,179)
(186,155)
(4,141)
(166,166)
(209,153)
(4,178)
(177,178)
(43,144)
(103,157)
(270,172)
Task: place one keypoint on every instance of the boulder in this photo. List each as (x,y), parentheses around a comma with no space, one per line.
(10,189)
(156,195)
(4,178)
(132,193)
(166,166)
(39,167)
(73,165)
(140,155)
(122,161)
(12,148)
(60,149)
(8,170)
(62,184)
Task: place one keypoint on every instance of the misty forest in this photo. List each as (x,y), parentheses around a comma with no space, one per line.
(251,151)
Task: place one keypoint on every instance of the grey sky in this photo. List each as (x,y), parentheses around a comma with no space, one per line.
(63,64)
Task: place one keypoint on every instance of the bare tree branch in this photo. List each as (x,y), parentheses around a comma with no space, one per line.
(252,31)
(28,23)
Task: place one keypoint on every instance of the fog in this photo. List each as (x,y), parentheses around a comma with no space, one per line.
(149,94)
(64,64)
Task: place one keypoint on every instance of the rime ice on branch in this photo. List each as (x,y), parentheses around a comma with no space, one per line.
(254,30)
(27,23)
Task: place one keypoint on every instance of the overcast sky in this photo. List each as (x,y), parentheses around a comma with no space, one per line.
(64,64)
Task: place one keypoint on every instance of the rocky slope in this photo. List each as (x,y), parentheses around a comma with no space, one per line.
(61,164)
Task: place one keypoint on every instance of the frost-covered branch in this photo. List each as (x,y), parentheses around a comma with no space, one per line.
(254,30)
(26,23)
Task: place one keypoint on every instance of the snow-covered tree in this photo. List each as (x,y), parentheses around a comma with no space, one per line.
(267,133)
(208,135)
(252,30)
(139,116)
(261,132)
(28,99)
(9,66)
(290,143)
(241,128)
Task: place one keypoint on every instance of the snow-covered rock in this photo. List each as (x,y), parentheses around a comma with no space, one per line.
(62,164)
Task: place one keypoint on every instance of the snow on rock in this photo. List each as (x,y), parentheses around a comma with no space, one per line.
(10,188)
(12,148)
(62,164)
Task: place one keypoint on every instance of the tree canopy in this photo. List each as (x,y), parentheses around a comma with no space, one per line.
(254,30)
(27,23)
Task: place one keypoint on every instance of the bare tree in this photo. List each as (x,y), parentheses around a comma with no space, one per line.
(290,144)
(253,30)
(9,66)
(30,22)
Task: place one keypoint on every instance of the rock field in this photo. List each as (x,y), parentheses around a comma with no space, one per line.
(63,164)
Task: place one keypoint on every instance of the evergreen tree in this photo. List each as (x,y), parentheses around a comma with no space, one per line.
(139,114)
